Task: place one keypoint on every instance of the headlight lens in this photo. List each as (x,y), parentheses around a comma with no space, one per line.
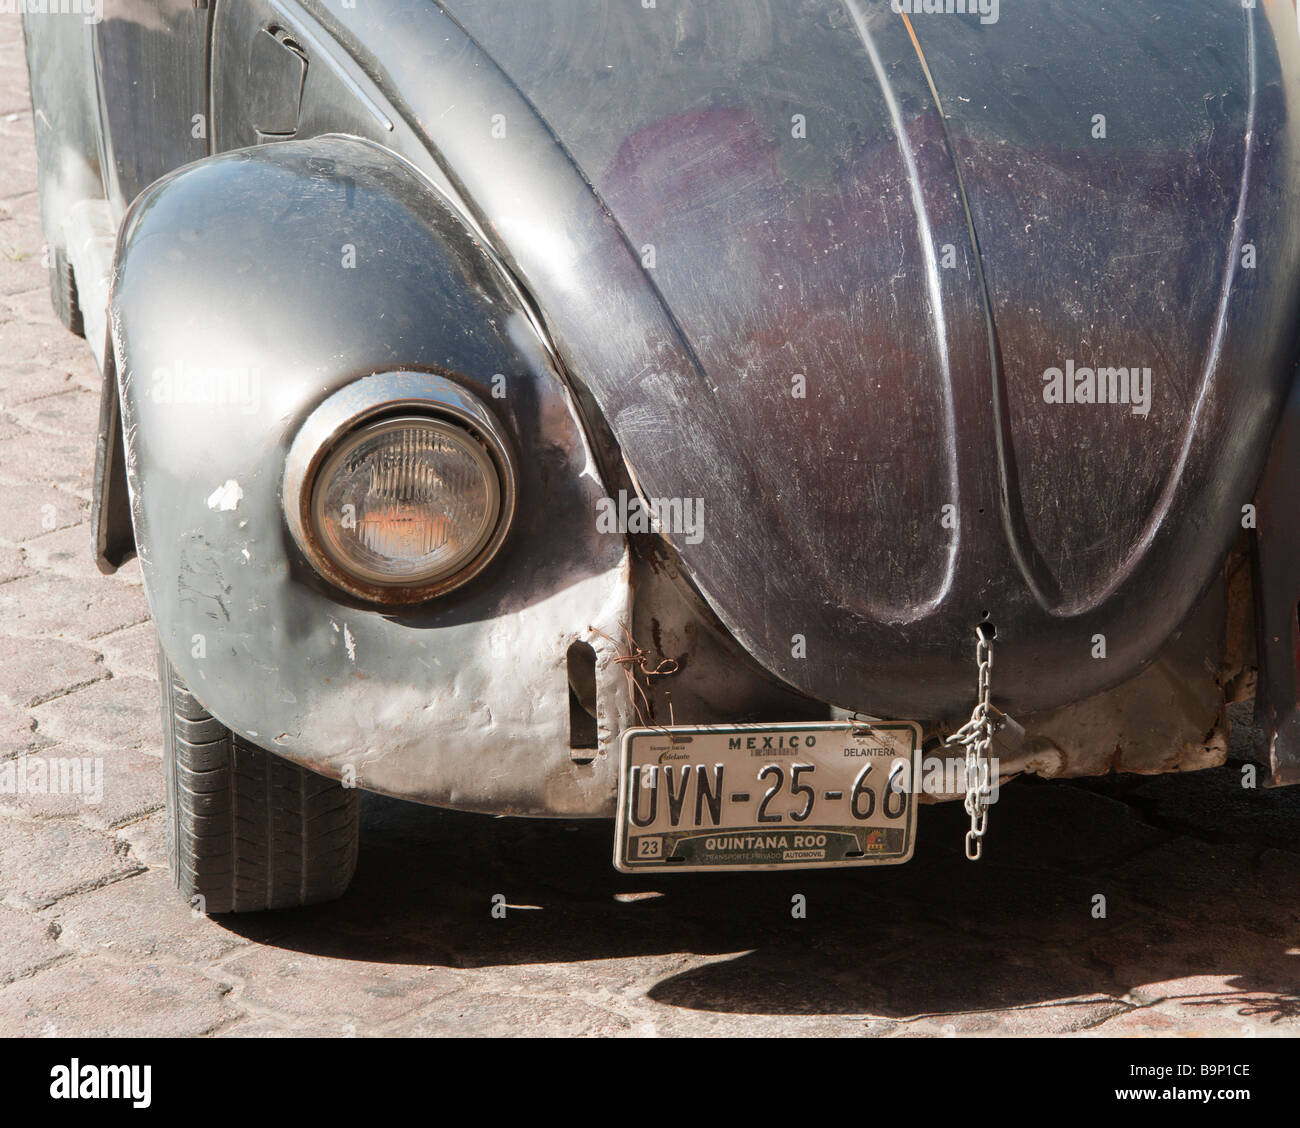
(406,501)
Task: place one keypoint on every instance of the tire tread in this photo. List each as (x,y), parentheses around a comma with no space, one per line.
(248,830)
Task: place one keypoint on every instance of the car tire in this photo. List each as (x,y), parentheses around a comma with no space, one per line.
(248,830)
(63,292)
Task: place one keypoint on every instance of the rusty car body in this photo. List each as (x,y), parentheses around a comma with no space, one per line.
(840,290)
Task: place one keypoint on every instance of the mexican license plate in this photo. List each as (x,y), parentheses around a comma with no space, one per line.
(791,796)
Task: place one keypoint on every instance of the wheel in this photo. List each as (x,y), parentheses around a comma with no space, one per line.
(63,292)
(246,829)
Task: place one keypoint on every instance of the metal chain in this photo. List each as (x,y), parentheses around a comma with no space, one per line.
(976,736)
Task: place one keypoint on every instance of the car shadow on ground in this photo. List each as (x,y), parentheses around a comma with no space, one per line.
(1087,890)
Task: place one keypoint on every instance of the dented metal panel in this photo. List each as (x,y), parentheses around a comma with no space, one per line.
(463,702)
(802,174)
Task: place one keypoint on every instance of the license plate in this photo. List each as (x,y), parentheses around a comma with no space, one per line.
(792,796)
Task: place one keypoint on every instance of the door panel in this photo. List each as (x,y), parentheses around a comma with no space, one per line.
(151,63)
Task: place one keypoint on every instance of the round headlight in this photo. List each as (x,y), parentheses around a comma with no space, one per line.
(399,487)
(405,502)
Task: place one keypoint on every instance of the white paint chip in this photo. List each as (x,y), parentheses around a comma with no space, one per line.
(226,497)
(350,643)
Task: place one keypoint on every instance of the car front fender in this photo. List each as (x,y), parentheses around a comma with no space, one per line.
(248,288)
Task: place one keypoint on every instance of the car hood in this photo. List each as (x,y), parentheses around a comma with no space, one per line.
(877,240)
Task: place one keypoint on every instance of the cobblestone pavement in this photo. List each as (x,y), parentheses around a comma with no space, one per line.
(1201,878)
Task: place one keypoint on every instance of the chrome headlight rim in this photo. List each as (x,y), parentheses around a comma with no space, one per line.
(376,428)
(427,397)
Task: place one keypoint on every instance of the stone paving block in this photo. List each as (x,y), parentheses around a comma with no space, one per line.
(47,603)
(141,919)
(31,510)
(43,860)
(73,413)
(1158,961)
(114,714)
(32,307)
(133,788)
(27,942)
(1207,883)
(1278,871)
(68,551)
(1251,1015)
(15,113)
(12,563)
(1061,1016)
(16,176)
(1065,828)
(34,378)
(15,201)
(21,267)
(1215,801)
(607,978)
(303,985)
(18,733)
(132,652)
(145,840)
(94,998)
(670,1023)
(52,460)
(975,903)
(33,670)
(26,788)
(36,353)
(471,1015)
(269,1027)
(1241,1018)
(9,429)
(116,786)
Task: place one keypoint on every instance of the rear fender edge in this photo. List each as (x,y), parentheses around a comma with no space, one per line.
(110,506)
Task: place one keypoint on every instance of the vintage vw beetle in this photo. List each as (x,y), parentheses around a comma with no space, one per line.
(698,412)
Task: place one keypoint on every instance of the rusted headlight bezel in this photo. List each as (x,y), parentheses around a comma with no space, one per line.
(372,399)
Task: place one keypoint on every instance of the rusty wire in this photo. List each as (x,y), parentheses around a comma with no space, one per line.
(634,659)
